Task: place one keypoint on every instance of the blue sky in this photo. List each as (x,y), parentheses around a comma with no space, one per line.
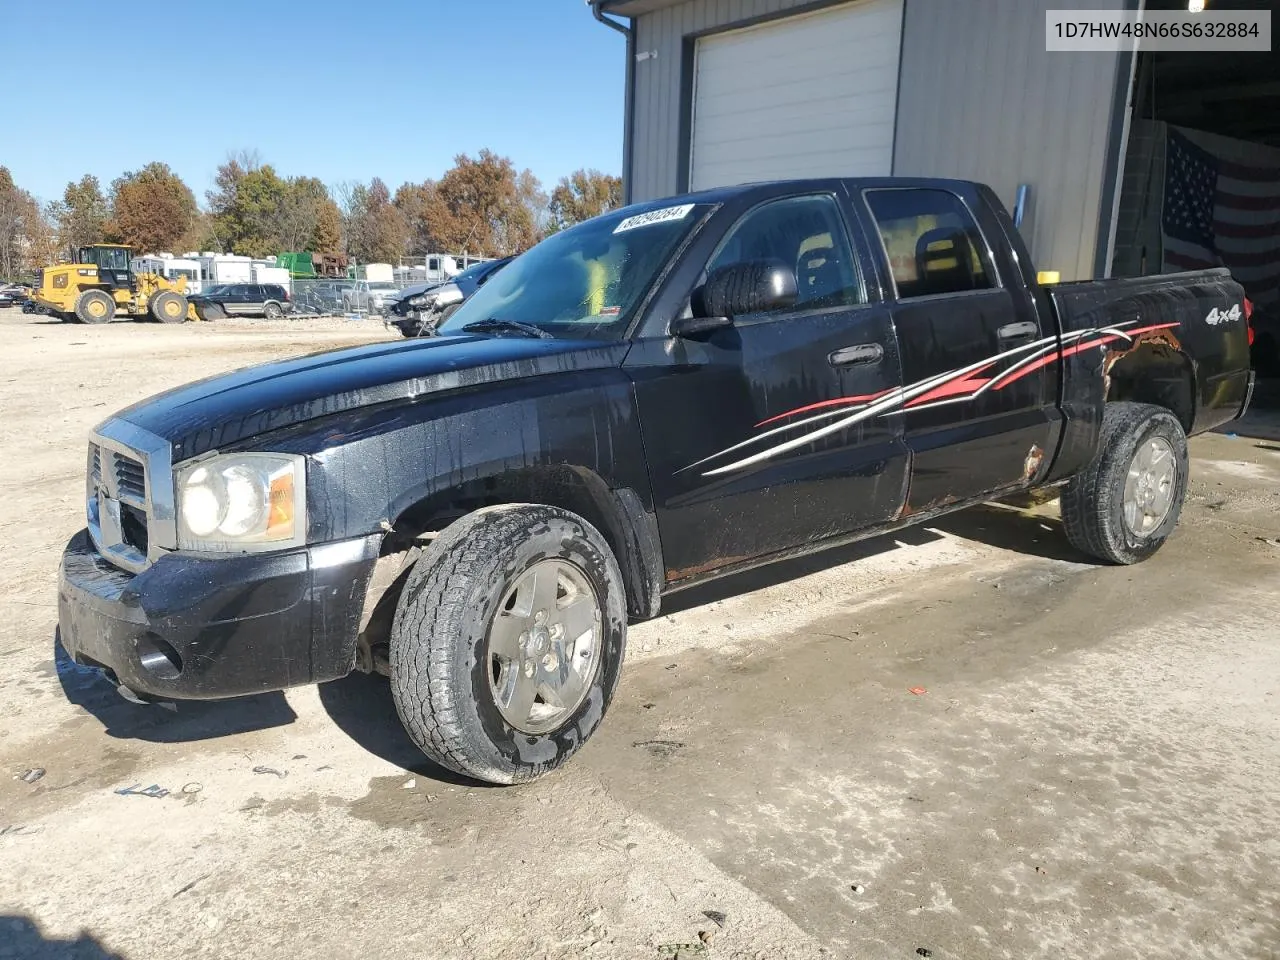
(335,90)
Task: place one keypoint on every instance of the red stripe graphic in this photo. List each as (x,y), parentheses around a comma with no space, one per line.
(953,388)
(960,385)
(823,404)
(1071,351)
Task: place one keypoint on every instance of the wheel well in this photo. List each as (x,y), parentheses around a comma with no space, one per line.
(618,514)
(1158,374)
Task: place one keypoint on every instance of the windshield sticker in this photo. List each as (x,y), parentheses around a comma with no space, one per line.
(654,216)
(610,311)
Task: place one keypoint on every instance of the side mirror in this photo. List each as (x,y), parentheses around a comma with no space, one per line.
(744,288)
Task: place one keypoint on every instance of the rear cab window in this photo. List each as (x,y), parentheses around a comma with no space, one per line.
(931,242)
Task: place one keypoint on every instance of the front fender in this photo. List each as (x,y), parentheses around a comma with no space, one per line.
(569,439)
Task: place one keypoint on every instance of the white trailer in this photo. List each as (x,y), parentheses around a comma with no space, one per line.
(272,274)
(170,267)
(376,272)
(218,268)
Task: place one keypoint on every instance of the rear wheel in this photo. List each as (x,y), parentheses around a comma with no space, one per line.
(95,306)
(168,307)
(1124,505)
(272,311)
(508,642)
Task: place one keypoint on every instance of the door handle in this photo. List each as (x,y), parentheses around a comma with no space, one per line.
(859,353)
(1014,331)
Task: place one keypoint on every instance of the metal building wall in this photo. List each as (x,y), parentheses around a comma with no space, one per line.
(655,165)
(979,98)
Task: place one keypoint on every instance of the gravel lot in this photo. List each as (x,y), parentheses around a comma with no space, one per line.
(1094,770)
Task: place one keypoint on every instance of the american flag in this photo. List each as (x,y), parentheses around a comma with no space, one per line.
(1220,212)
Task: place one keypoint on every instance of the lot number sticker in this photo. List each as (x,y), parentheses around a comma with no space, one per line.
(654,216)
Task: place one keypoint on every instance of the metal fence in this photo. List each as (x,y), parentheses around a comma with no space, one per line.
(331,297)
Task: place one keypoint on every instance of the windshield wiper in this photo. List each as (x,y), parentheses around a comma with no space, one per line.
(494,325)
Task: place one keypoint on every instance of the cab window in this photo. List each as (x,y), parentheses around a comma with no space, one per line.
(931,241)
(808,235)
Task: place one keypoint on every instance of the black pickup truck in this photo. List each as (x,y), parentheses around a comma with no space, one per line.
(667,393)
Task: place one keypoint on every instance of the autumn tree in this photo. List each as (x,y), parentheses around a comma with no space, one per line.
(26,238)
(151,209)
(582,195)
(376,230)
(483,206)
(81,214)
(414,201)
(257,213)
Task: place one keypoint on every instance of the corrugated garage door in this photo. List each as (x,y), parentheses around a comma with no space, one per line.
(806,96)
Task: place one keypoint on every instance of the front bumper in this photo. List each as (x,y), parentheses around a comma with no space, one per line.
(194,628)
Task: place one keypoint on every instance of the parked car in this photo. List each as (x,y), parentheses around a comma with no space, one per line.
(13,295)
(665,394)
(270,300)
(421,309)
(322,296)
(373,296)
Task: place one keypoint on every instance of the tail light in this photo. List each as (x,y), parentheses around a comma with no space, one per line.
(288,297)
(1248,318)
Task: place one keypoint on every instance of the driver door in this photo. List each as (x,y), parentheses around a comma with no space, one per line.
(758,435)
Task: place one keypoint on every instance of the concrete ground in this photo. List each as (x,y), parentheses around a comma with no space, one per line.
(962,742)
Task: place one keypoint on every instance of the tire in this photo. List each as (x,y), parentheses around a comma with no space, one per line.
(95,306)
(1094,503)
(168,307)
(210,311)
(446,663)
(272,311)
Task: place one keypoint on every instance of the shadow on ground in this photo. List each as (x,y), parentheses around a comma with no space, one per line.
(21,939)
(1008,527)
(188,720)
(360,705)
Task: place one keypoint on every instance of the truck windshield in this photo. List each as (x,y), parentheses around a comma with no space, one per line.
(588,280)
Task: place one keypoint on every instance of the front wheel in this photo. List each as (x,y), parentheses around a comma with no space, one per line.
(95,306)
(1124,505)
(168,307)
(508,642)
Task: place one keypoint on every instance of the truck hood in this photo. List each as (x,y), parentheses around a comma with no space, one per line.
(214,413)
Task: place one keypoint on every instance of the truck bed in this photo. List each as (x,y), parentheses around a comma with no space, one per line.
(1186,333)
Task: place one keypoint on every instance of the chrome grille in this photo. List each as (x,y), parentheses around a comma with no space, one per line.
(129,496)
(131,479)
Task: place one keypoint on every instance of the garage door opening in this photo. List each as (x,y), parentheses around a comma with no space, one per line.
(1201,182)
(814,95)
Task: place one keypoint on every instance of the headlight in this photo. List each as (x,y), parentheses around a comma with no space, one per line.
(449,293)
(242,502)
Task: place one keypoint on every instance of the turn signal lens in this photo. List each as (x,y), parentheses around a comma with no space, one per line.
(281,501)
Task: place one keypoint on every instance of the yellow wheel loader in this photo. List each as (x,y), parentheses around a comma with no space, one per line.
(100,285)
